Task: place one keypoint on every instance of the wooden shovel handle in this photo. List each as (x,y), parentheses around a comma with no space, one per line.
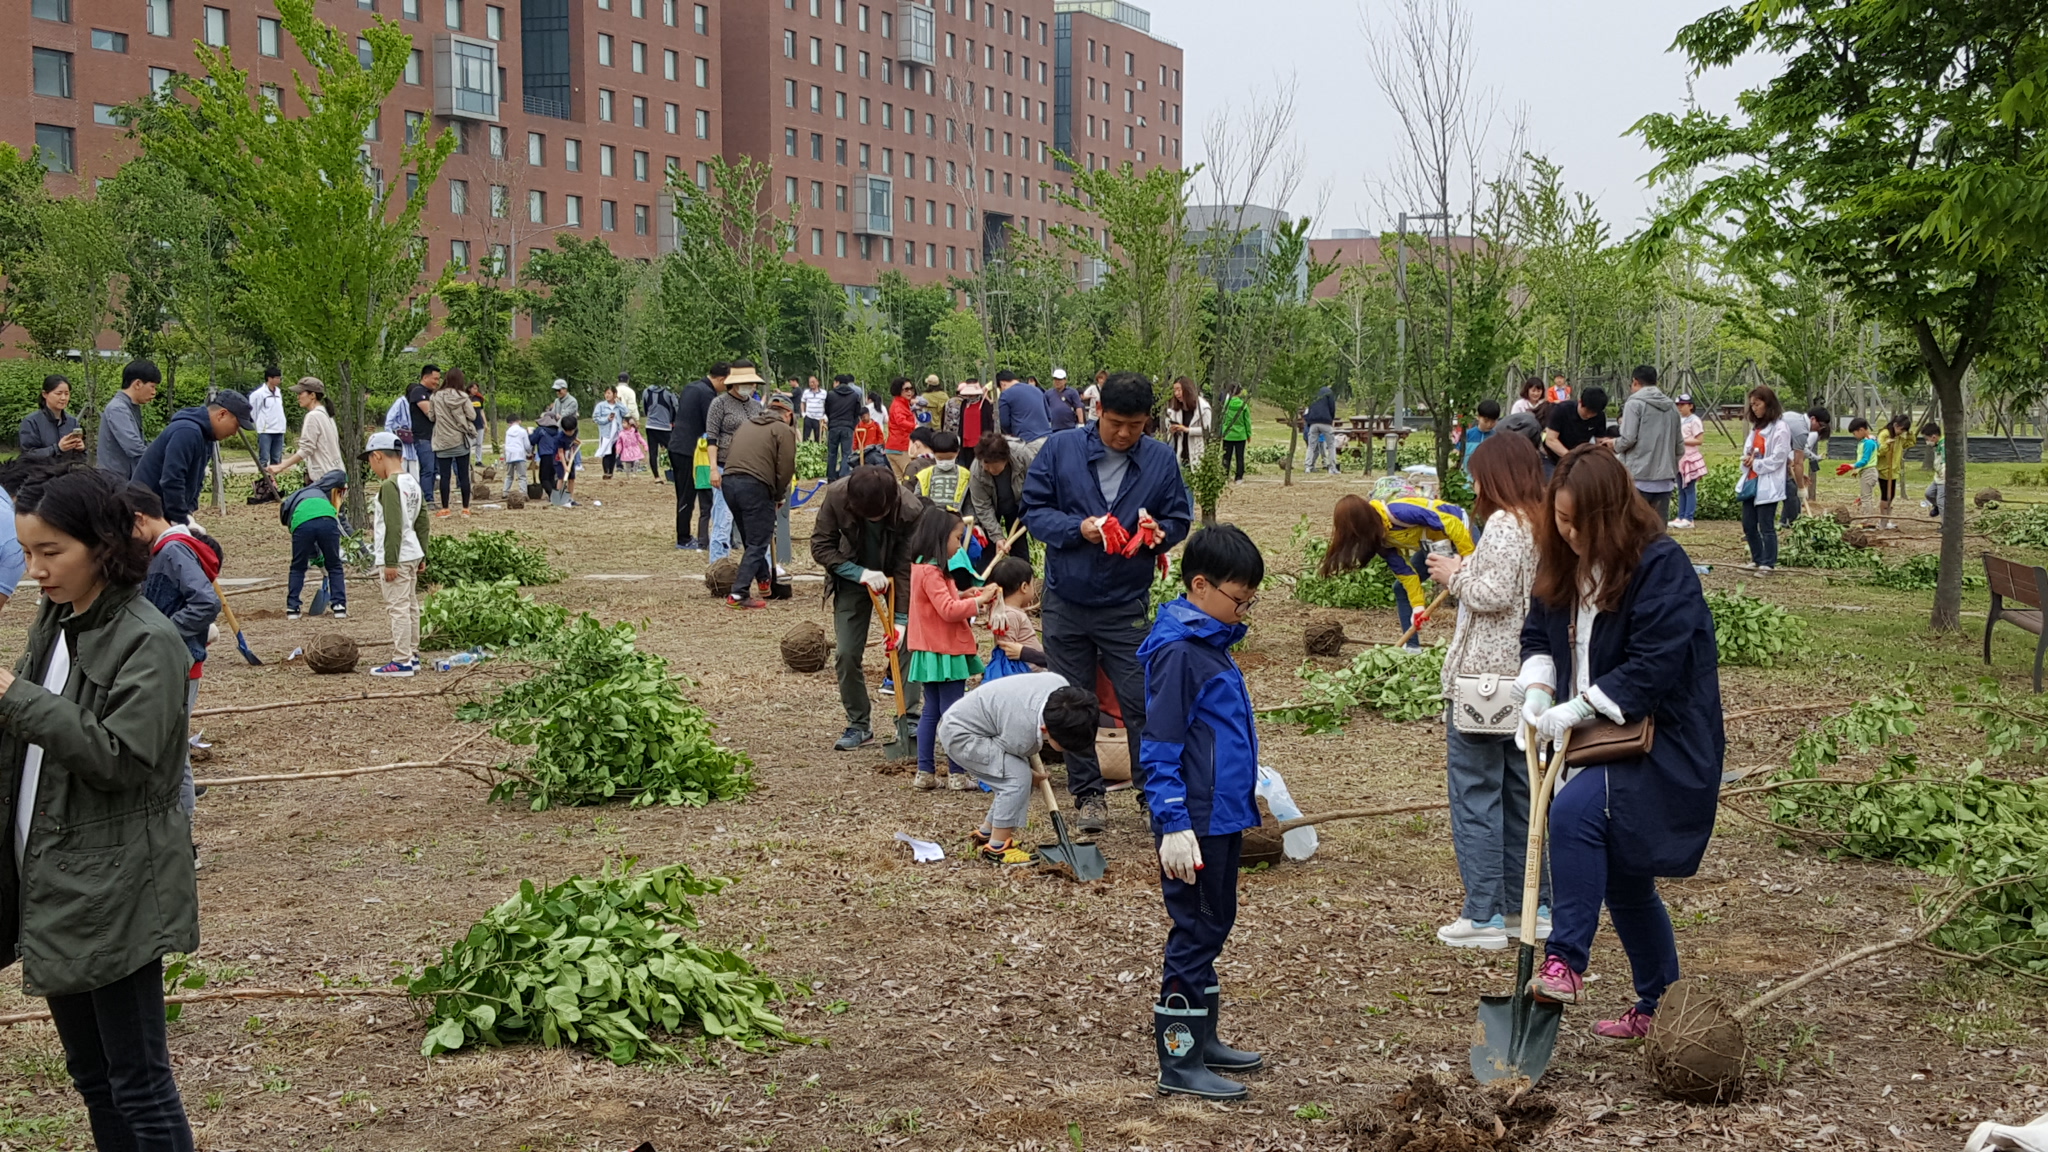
(895,664)
(224,609)
(1417,626)
(1539,815)
(1000,553)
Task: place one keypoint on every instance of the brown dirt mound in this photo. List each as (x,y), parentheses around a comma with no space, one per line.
(806,647)
(1324,637)
(1432,1115)
(1987,496)
(1697,1050)
(718,578)
(1842,517)
(331,654)
(515,500)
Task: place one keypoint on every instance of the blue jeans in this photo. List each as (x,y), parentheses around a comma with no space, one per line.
(1404,610)
(429,468)
(1322,441)
(1689,500)
(1203,914)
(1488,781)
(1760,529)
(839,458)
(1790,507)
(269,448)
(321,538)
(1588,875)
(939,695)
(721,527)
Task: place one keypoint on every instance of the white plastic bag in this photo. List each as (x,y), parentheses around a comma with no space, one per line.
(1298,843)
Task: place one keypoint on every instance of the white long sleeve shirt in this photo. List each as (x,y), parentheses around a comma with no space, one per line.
(517,442)
(266,408)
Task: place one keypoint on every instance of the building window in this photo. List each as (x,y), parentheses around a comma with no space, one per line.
(160,80)
(572,211)
(364,56)
(53,76)
(106,114)
(606,155)
(640,215)
(415,126)
(703,124)
(789,44)
(640,166)
(58,10)
(672,118)
(604,104)
(817,241)
(817,194)
(703,174)
(156,17)
(817,99)
(458,253)
(839,105)
(789,186)
(668,12)
(604,49)
(839,57)
(214,26)
(639,57)
(669,65)
(864,106)
(639,111)
(501,201)
(497,143)
(701,19)
(458,197)
(410,9)
(414,62)
(789,93)
(451,14)
(109,41)
(839,244)
(703,72)
(839,152)
(839,197)
(536,207)
(817,51)
(789,141)
(54,148)
(536,149)
(608,215)
(572,155)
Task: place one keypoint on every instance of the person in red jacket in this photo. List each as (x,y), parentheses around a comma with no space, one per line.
(902,420)
(943,651)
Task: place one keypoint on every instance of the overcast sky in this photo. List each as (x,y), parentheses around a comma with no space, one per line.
(1581,72)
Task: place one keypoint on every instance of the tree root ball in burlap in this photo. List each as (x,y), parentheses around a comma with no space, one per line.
(1842,516)
(1696,1051)
(719,577)
(1324,637)
(1986,496)
(515,500)
(1859,538)
(331,653)
(487,472)
(806,647)
(1262,845)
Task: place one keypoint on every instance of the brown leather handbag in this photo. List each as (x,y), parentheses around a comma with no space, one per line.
(1604,741)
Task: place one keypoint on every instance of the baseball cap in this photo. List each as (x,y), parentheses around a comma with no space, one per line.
(970,388)
(310,384)
(236,403)
(780,400)
(561,385)
(1059,373)
(1685,397)
(381,442)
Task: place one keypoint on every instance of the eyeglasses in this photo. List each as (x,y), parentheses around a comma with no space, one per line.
(1243,606)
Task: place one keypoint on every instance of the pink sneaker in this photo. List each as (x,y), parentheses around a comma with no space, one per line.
(1556,983)
(1633,1025)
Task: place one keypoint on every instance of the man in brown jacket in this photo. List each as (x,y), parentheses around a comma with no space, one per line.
(757,472)
(862,541)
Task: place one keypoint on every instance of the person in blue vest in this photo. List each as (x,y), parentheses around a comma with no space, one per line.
(1086,489)
(1618,629)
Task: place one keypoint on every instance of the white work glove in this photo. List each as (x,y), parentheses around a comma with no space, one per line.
(1536,700)
(1552,725)
(212,633)
(1180,855)
(875,580)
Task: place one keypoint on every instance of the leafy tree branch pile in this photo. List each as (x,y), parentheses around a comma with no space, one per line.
(495,614)
(602,963)
(608,722)
(1958,822)
(1755,633)
(1398,684)
(486,558)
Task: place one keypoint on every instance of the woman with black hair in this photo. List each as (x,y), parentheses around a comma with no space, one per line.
(1766,456)
(50,429)
(99,881)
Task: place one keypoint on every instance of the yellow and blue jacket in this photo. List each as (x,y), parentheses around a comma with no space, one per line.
(1412,520)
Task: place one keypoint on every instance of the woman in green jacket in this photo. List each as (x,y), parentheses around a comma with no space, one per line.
(1237,429)
(98,883)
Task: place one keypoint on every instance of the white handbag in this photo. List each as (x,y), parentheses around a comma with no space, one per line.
(1485,705)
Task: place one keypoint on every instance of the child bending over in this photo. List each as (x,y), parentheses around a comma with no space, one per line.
(996,730)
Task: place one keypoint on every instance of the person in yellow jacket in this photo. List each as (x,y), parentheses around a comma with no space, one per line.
(945,482)
(1891,464)
(1397,531)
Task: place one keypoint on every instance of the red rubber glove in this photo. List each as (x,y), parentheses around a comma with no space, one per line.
(1844,469)
(1114,535)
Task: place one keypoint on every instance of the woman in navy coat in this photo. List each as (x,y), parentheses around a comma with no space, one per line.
(1596,647)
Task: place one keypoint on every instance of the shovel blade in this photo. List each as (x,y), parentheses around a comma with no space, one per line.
(1517,1036)
(1084,858)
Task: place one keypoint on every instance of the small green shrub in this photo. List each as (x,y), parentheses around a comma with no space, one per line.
(810,460)
(1398,684)
(1817,542)
(1717,493)
(486,558)
(494,614)
(1755,633)
(602,963)
(1916,574)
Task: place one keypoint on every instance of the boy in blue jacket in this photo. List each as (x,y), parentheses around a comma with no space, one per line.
(1201,761)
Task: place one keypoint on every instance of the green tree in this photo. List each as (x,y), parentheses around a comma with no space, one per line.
(328,257)
(64,285)
(730,250)
(582,292)
(1900,153)
(480,316)
(22,201)
(1152,284)
(913,311)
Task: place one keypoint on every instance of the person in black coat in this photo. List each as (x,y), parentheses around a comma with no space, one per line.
(1619,650)
(692,405)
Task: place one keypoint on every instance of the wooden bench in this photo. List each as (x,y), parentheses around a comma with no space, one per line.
(2023,585)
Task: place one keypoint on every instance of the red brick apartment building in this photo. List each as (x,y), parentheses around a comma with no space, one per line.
(907,133)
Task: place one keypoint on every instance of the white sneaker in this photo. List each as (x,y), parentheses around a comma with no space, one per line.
(957,781)
(1747,565)
(1513,924)
(1764,569)
(1893,524)
(1491,935)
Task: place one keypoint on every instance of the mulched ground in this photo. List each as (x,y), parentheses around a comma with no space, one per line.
(959,1007)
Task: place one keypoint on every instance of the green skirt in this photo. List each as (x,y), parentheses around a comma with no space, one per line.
(939,667)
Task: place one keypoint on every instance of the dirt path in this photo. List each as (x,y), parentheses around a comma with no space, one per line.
(954,1006)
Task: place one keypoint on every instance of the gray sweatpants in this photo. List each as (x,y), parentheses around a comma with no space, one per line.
(987,761)
(188,797)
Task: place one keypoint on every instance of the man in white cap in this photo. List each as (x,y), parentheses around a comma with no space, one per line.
(565,404)
(1062,403)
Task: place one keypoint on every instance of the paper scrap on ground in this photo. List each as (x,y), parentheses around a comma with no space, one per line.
(922,851)
(2033,1137)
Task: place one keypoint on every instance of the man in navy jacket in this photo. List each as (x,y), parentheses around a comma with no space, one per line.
(1095,601)
(174,464)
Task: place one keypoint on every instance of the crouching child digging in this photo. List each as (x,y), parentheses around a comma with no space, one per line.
(1201,760)
(993,733)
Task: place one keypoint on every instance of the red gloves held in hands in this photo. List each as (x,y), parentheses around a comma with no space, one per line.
(1124,542)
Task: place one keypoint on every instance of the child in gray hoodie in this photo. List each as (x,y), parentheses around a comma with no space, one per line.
(996,730)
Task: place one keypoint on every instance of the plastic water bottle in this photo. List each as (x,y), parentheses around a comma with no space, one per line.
(475,655)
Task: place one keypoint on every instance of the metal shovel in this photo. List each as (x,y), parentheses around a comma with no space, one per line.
(904,746)
(1083,859)
(1518,1032)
